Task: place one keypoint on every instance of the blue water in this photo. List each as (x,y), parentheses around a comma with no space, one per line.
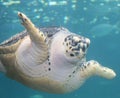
(97,19)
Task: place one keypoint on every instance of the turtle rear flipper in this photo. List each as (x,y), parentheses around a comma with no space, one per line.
(7,61)
(2,68)
(5,50)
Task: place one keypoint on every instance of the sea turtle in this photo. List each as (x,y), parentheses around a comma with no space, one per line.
(50,59)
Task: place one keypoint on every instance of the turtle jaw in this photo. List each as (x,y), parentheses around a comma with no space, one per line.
(84,44)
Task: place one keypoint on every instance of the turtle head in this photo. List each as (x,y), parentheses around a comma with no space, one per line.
(76,47)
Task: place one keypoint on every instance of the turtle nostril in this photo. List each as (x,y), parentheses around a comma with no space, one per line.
(87,45)
(83,48)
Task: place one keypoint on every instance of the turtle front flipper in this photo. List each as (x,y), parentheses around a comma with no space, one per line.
(37,37)
(92,67)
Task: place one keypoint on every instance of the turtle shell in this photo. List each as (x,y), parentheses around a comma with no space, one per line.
(48,31)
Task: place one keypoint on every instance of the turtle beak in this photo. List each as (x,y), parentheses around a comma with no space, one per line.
(84,44)
(87,42)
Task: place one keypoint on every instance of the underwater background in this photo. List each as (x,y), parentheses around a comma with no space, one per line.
(97,19)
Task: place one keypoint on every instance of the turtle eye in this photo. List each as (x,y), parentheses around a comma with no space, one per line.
(76,46)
